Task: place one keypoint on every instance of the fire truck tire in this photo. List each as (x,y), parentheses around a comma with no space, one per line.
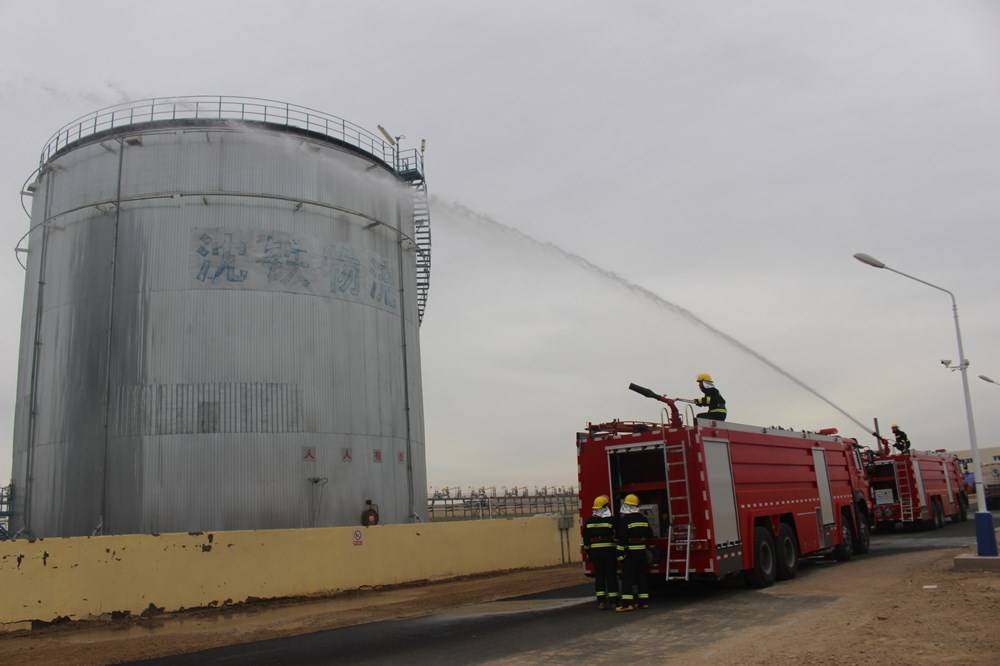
(938,513)
(787,548)
(963,507)
(863,541)
(844,551)
(764,560)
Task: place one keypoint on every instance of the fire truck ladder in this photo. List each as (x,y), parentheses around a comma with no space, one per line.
(904,489)
(679,501)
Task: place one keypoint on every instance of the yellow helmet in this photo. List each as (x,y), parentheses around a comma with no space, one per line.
(704,377)
(600,502)
(631,500)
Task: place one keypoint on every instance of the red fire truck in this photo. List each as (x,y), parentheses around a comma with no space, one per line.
(916,488)
(724,498)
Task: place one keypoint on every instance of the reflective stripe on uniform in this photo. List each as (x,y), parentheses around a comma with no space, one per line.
(601,594)
(598,525)
(643,595)
(602,544)
(612,594)
(627,597)
(639,547)
(642,524)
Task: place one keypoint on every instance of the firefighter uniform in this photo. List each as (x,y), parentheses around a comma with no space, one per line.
(902,441)
(711,399)
(633,530)
(599,542)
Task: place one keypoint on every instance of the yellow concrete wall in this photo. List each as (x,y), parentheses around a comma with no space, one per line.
(80,576)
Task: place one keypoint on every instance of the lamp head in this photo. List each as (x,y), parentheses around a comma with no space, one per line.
(868,259)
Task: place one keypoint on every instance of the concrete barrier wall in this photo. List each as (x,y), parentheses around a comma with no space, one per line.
(81,577)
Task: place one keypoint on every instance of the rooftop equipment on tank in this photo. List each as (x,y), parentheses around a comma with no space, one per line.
(221,322)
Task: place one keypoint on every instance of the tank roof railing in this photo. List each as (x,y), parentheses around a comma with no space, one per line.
(221,107)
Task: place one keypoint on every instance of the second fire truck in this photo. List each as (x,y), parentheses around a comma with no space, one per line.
(916,488)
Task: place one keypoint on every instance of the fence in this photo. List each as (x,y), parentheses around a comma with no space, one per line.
(235,109)
(442,507)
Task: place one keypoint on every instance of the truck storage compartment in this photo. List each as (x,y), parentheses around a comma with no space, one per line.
(643,472)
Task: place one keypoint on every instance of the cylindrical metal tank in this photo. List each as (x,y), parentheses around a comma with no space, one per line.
(220,325)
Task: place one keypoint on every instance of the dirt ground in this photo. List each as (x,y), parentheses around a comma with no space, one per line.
(901,608)
(907,609)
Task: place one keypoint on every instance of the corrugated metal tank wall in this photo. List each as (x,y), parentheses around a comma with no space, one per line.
(251,282)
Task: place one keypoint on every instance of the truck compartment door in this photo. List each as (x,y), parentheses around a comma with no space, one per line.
(823,486)
(921,491)
(721,491)
(950,499)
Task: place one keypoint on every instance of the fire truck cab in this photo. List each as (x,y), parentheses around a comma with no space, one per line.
(725,499)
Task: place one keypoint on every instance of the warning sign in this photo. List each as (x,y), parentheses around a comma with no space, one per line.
(378,455)
(357,540)
(309,453)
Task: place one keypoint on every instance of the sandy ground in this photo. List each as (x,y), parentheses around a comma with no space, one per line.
(128,640)
(908,609)
(901,607)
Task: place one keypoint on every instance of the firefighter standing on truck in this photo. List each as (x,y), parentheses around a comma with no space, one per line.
(633,530)
(599,542)
(902,441)
(711,399)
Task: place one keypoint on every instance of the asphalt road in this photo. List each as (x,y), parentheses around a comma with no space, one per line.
(474,634)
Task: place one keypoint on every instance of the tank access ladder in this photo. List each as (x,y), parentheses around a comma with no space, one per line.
(904,489)
(6,510)
(679,503)
(410,167)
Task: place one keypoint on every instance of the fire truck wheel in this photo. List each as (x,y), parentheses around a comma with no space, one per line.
(845,549)
(963,507)
(787,549)
(764,561)
(938,514)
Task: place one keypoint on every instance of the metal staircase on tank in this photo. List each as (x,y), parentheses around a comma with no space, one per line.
(904,489)
(6,510)
(679,502)
(410,166)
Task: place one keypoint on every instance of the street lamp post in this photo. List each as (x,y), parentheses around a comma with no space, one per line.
(986,543)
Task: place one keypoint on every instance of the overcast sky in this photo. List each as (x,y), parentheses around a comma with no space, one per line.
(730,156)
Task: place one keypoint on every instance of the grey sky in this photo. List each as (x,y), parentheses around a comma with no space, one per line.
(729,156)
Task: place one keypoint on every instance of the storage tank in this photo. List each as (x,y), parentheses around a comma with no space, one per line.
(220,326)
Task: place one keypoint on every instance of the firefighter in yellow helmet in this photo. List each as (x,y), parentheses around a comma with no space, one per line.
(902,443)
(633,531)
(599,544)
(711,399)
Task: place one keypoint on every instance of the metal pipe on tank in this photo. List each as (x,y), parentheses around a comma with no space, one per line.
(412,515)
(99,528)
(49,174)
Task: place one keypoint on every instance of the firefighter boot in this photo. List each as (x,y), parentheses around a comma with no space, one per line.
(602,605)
